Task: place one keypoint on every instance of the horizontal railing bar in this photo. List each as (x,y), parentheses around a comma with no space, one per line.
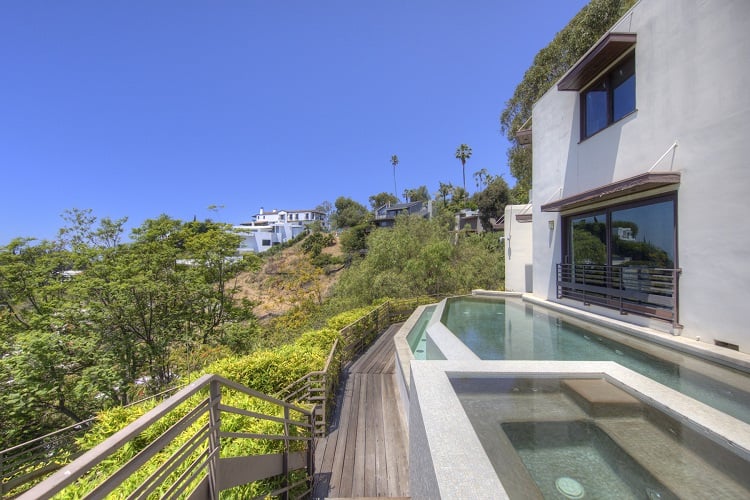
(77,468)
(174,461)
(269,437)
(252,392)
(152,449)
(191,473)
(262,416)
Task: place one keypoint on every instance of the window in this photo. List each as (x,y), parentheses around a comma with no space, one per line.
(609,99)
(266,243)
(639,234)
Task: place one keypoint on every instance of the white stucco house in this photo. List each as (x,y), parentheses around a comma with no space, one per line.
(641,181)
(267,229)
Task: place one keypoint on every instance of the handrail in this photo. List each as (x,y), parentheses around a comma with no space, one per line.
(316,389)
(210,462)
(37,450)
(646,291)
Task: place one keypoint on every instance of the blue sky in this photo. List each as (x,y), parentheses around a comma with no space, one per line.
(146,107)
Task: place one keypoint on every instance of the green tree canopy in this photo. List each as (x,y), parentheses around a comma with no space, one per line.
(417,194)
(380,199)
(492,200)
(349,213)
(420,256)
(88,321)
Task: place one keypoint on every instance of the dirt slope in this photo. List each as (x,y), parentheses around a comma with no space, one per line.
(285,280)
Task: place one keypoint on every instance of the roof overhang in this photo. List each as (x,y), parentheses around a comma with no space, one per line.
(524,136)
(637,184)
(610,48)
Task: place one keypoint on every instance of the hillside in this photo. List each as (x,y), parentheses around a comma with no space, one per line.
(287,279)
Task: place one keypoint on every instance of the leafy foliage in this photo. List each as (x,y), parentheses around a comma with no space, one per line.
(380,199)
(420,257)
(349,213)
(88,321)
(491,200)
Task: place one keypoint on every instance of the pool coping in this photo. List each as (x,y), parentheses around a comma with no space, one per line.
(440,432)
(446,458)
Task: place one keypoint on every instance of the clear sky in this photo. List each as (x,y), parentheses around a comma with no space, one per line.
(138,108)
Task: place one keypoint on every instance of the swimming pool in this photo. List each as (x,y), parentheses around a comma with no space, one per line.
(510,329)
(585,438)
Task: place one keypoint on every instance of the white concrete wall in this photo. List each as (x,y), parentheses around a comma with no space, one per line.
(693,87)
(518,250)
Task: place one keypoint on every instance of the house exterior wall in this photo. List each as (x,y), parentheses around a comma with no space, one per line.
(692,82)
(518,250)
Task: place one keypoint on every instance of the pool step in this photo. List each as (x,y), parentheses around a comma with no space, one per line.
(599,398)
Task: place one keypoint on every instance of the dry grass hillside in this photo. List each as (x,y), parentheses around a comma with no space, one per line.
(286,280)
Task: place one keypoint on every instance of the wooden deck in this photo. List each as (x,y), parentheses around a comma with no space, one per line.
(366,451)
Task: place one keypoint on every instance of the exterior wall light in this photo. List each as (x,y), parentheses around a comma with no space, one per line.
(551,225)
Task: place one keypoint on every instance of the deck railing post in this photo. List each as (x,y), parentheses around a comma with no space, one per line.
(285,459)
(214,442)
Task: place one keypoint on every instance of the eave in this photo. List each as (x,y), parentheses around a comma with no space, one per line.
(637,184)
(610,48)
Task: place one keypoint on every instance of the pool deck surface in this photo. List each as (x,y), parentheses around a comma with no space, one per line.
(366,452)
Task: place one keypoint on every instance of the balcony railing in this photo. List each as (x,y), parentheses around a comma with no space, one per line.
(198,468)
(645,291)
(25,463)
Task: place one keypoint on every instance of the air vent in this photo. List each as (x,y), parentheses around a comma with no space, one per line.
(721,343)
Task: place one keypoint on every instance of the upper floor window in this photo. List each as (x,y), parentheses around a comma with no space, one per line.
(609,99)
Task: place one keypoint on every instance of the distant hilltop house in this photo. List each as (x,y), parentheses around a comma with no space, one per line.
(471,220)
(276,227)
(385,216)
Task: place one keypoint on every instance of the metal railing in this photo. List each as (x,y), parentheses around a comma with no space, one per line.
(319,388)
(645,291)
(34,459)
(38,457)
(186,459)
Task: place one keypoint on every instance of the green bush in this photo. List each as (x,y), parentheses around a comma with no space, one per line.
(266,371)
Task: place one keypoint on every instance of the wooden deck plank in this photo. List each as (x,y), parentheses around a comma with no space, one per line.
(366,454)
(346,475)
(381,464)
(397,446)
(360,450)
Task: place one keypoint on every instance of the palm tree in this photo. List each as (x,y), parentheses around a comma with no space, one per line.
(444,190)
(463,153)
(394,162)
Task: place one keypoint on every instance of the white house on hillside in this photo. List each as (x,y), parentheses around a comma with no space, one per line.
(275,227)
(641,177)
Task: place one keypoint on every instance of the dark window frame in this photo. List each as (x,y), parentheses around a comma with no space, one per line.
(607,82)
(607,210)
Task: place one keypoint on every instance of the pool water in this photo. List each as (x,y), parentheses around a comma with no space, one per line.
(416,338)
(576,459)
(557,438)
(508,329)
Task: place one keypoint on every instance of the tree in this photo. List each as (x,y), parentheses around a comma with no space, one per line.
(394,162)
(418,194)
(482,178)
(491,201)
(444,190)
(326,207)
(463,153)
(459,197)
(420,256)
(74,343)
(549,65)
(380,199)
(349,213)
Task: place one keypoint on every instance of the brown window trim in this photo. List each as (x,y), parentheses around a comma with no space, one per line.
(636,184)
(610,48)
